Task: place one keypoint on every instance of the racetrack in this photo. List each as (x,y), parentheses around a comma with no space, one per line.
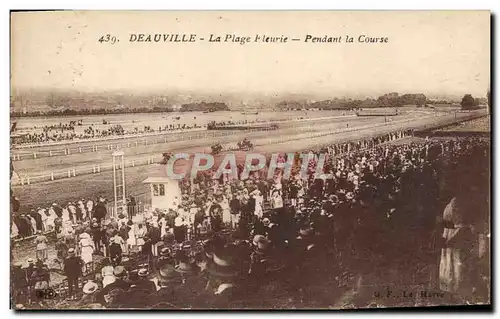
(100,184)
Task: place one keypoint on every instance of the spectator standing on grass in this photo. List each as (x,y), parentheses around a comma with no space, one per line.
(131,240)
(100,210)
(72,212)
(57,209)
(124,234)
(72,270)
(139,235)
(96,233)
(115,250)
(107,274)
(90,207)
(86,248)
(43,218)
(83,209)
(41,246)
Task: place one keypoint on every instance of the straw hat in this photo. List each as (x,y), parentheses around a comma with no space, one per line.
(90,287)
(71,251)
(143,272)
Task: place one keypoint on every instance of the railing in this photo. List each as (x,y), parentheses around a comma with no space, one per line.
(106,147)
(103,139)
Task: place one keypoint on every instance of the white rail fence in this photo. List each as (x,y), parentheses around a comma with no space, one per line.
(166,138)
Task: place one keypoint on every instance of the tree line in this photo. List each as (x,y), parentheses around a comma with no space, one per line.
(190,107)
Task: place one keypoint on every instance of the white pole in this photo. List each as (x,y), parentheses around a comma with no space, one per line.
(123,181)
(114,184)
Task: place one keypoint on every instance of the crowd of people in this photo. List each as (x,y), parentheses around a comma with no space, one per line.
(52,218)
(66,132)
(246,244)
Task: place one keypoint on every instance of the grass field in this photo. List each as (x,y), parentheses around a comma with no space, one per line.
(103,156)
(477,125)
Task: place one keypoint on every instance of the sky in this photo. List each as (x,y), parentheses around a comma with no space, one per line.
(437,53)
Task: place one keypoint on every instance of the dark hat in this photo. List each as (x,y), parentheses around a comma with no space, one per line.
(223,263)
(165,251)
(167,272)
(133,275)
(184,268)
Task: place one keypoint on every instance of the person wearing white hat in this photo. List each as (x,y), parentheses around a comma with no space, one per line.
(87,248)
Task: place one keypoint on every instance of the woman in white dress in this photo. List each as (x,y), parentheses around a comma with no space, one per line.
(276,199)
(86,249)
(162,223)
(107,273)
(259,201)
(226,211)
(83,209)
(131,241)
(41,246)
(50,220)
(139,235)
(65,215)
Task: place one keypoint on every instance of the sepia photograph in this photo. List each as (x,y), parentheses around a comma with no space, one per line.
(250,160)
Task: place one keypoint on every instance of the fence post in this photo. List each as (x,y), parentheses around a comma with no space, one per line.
(65,152)
(18,157)
(69,173)
(136,143)
(93,168)
(51,176)
(79,149)
(28,180)
(128,144)
(69,152)
(96,148)
(34,155)
(98,168)
(74,172)
(50,152)
(22,180)
(133,163)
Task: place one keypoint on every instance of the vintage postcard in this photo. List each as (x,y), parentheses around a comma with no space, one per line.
(250,160)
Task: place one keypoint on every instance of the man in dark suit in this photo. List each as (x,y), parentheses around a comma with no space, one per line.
(72,270)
